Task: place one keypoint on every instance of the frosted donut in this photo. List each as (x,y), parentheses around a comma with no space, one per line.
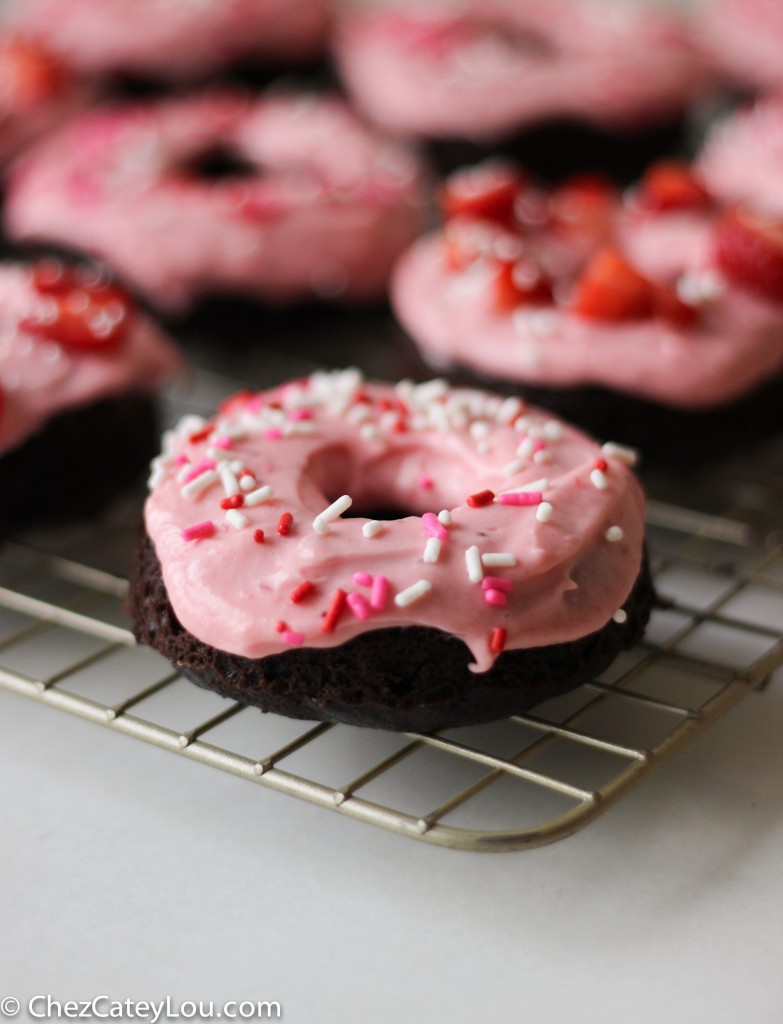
(742,158)
(479,70)
(505,580)
(79,369)
(745,39)
(664,314)
(324,207)
(171,39)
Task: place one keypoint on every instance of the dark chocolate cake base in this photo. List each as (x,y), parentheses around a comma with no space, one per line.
(404,678)
(78,461)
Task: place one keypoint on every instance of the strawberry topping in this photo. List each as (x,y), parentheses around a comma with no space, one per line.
(585,203)
(485,192)
(78,308)
(29,75)
(611,289)
(670,185)
(748,248)
(519,283)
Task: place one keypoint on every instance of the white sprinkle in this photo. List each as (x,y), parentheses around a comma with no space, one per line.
(260,495)
(598,479)
(358,413)
(237,466)
(544,512)
(511,468)
(479,429)
(521,424)
(235,518)
(413,593)
(473,564)
(156,478)
(302,428)
(331,512)
(247,483)
(614,533)
(542,457)
(630,456)
(370,432)
(372,528)
(553,431)
(432,550)
(232,430)
(525,448)
(229,481)
(509,410)
(619,616)
(190,424)
(445,517)
(498,559)
(200,483)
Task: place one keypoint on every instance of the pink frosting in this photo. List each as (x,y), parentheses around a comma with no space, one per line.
(736,344)
(742,159)
(41,378)
(480,69)
(332,206)
(745,38)
(315,440)
(171,38)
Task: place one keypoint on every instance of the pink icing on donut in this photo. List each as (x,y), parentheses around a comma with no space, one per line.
(330,207)
(745,39)
(369,443)
(41,377)
(480,69)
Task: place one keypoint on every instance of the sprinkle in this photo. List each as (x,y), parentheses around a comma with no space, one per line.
(619,616)
(509,410)
(445,518)
(498,559)
(520,498)
(479,429)
(553,431)
(372,528)
(525,448)
(433,526)
(280,626)
(544,512)
(197,470)
(513,467)
(542,457)
(300,414)
(335,610)
(481,498)
(292,638)
(201,435)
(284,524)
(236,519)
(331,512)
(601,464)
(496,598)
(379,594)
(199,484)
(432,550)
(247,481)
(358,605)
(599,480)
(229,481)
(258,536)
(473,564)
(629,456)
(273,433)
(258,496)
(226,443)
(304,590)
(497,639)
(496,583)
(535,485)
(413,593)
(235,501)
(425,482)
(199,531)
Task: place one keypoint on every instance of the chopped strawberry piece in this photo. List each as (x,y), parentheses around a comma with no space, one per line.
(485,192)
(78,308)
(584,203)
(748,248)
(466,240)
(611,289)
(670,185)
(519,283)
(670,307)
(29,74)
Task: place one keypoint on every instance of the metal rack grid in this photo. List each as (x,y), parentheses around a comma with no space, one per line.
(523,782)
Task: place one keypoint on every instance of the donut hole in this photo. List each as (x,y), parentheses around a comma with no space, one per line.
(218,162)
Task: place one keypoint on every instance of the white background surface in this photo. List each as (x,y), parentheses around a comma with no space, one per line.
(131,872)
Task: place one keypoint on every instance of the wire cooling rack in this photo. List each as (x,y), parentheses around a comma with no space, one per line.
(518,783)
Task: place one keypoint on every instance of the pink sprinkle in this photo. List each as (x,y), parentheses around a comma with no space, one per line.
(496,583)
(425,482)
(292,638)
(199,531)
(358,605)
(495,597)
(521,498)
(201,467)
(539,446)
(181,460)
(364,579)
(223,442)
(300,414)
(379,594)
(434,527)
(273,433)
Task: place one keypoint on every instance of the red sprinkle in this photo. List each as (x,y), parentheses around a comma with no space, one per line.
(497,639)
(481,498)
(258,536)
(304,590)
(280,626)
(284,524)
(235,501)
(601,464)
(336,608)
(201,435)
